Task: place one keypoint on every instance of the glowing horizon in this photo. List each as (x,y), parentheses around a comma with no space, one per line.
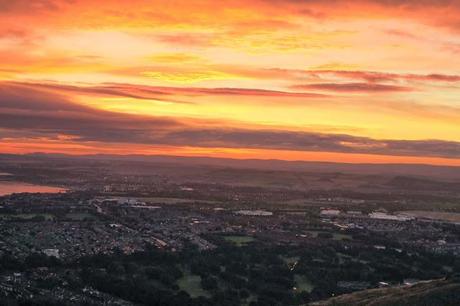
(366,81)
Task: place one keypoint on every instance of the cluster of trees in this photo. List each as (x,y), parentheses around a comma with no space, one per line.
(34,260)
(229,274)
(257,274)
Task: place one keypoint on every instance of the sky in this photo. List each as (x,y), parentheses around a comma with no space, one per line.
(365,81)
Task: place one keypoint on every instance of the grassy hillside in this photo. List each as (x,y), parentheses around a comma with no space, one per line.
(444,292)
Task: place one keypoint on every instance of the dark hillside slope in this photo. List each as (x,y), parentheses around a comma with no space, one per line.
(444,292)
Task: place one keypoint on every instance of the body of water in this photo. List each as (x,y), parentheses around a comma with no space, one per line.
(18,187)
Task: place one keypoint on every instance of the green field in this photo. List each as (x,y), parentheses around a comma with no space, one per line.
(303,283)
(335,236)
(47,217)
(239,240)
(80,216)
(338,236)
(192,285)
(160,200)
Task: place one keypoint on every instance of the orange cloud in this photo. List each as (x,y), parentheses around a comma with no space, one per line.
(370,77)
(352,87)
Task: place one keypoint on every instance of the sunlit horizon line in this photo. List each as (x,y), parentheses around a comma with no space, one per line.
(254,155)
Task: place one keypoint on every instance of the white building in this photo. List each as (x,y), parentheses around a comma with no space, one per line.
(385,216)
(254,212)
(329,212)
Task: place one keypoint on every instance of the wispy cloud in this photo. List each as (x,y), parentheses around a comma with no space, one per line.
(353,87)
(161,92)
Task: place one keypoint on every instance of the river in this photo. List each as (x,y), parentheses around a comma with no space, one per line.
(9,187)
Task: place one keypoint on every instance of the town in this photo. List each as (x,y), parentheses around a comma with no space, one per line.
(198,242)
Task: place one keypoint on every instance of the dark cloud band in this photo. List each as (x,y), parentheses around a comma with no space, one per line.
(33,112)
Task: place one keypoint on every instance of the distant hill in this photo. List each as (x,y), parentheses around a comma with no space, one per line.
(411,183)
(428,171)
(443,292)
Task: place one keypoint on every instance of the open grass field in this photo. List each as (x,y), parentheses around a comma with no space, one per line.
(80,216)
(239,240)
(47,217)
(192,285)
(303,283)
(335,236)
